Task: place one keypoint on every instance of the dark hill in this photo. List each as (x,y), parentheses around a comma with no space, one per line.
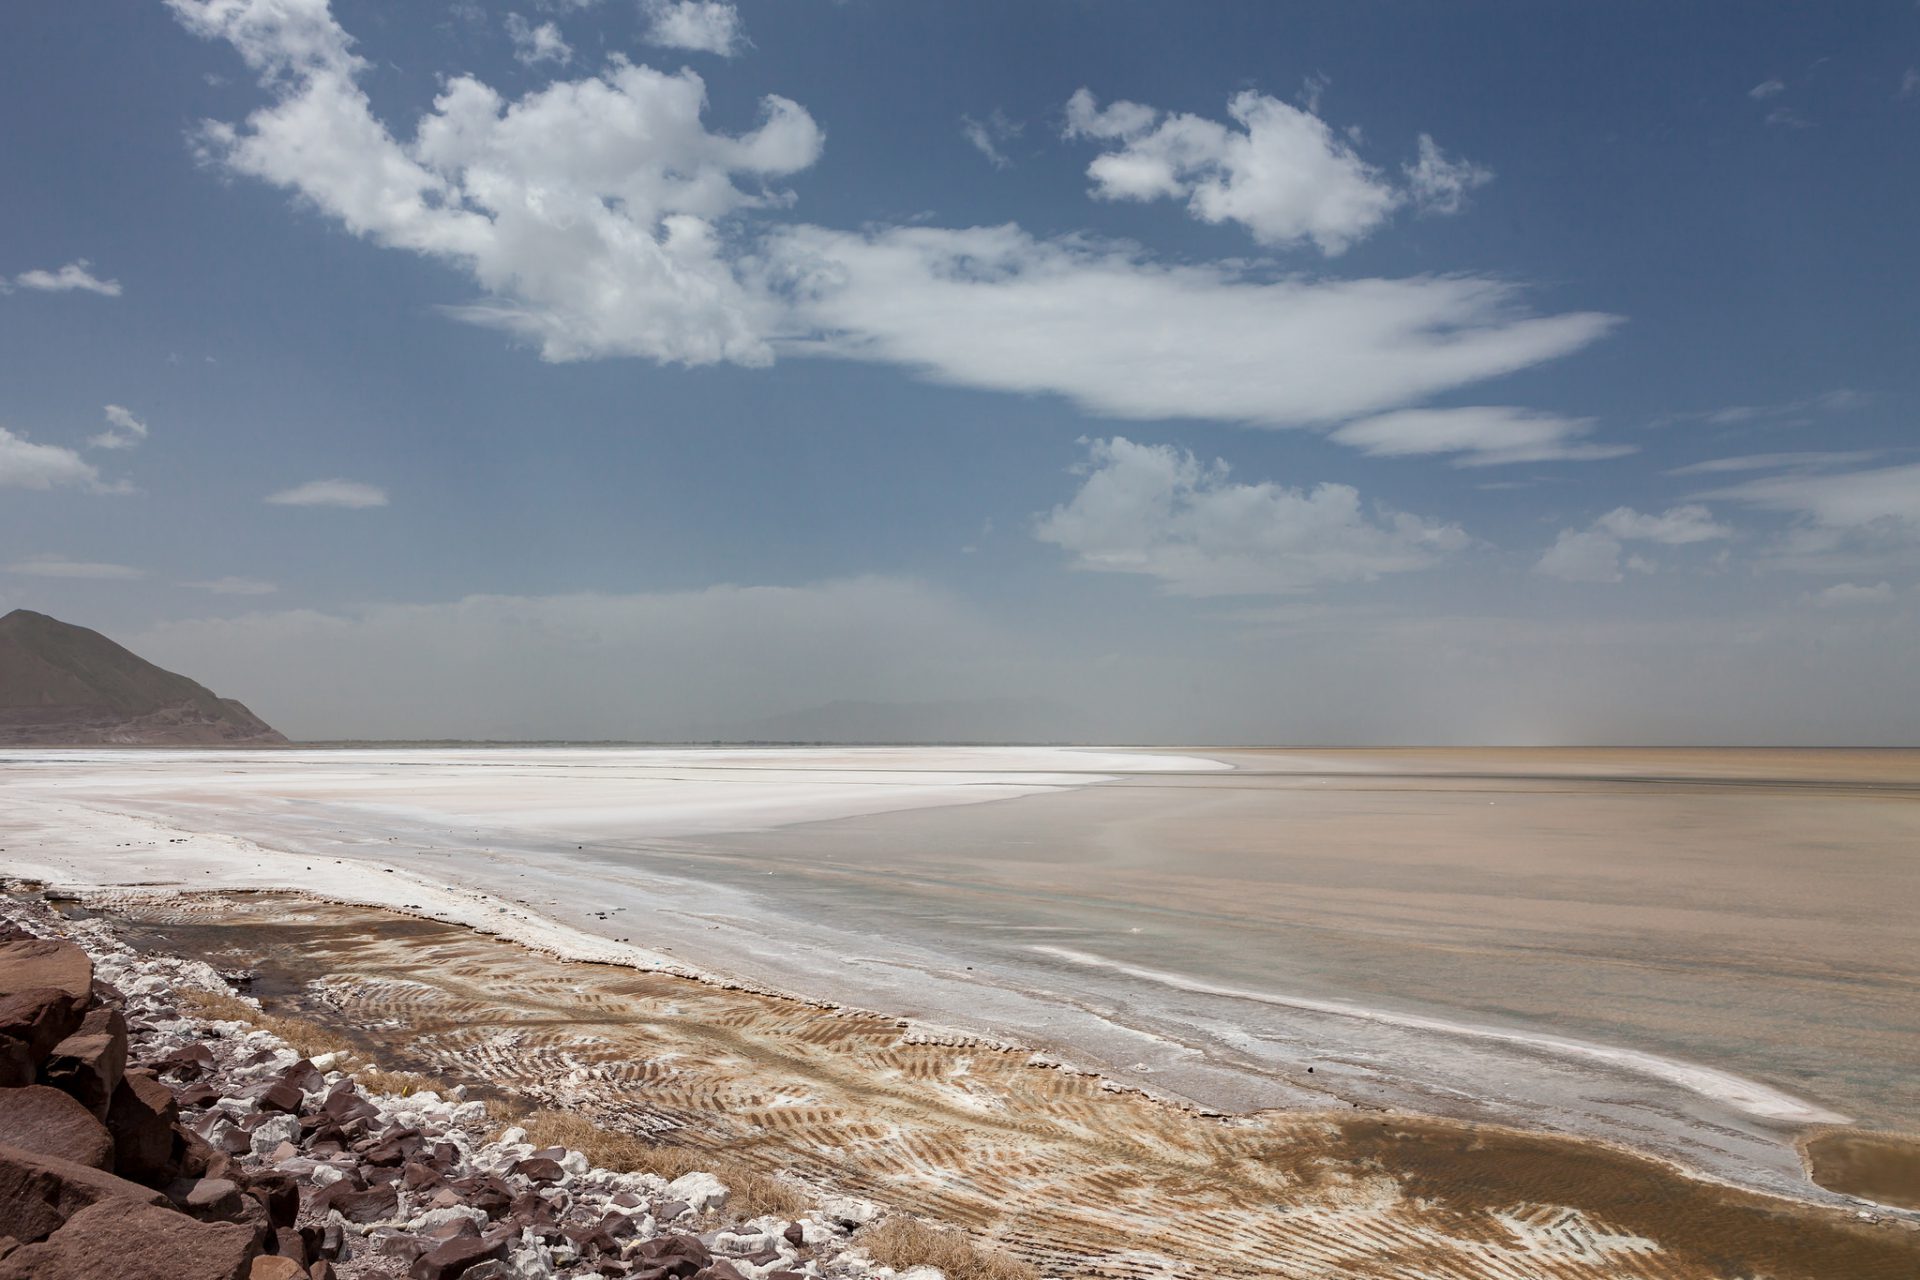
(65,685)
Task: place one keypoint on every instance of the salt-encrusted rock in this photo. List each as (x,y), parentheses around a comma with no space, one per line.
(122,1238)
(699,1190)
(141,1118)
(89,1063)
(39,1192)
(51,1123)
(272,1132)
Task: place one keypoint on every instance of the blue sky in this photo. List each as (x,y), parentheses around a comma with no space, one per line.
(1234,372)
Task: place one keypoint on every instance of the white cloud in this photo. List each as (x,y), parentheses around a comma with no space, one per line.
(1767,89)
(1843,595)
(1674,527)
(1843,522)
(124,431)
(61,567)
(1582,555)
(1439,183)
(1785,413)
(1593,554)
(330,493)
(587,211)
(75,275)
(703,26)
(994,307)
(1478,436)
(26,465)
(1156,510)
(1775,462)
(986,136)
(601,218)
(233,587)
(1285,175)
(1909,83)
(533,45)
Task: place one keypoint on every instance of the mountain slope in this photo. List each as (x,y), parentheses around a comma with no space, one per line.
(62,684)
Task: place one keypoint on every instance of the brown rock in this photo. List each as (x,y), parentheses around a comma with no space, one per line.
(371,1205)
(276,1268)
(51,1123)
(279,1194)
(280,1096)
(320,1269)
(40,1018)
(123,1240)
(189,1062)
(539,1169)
(141,1118)
(453,1258)
(670,1257)
(212,1198)
(290,1242)
(89,1063)
(39,1192)
(46,962)
(304,1076)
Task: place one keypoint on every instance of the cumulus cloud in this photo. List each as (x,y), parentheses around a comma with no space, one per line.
(587,211)
(533,45)
(1478,436)
(986,136)
(77,274)
(233,587)
(85,570)
(124,431)
(330,493)
(1158,511)
(1119,335)
(702,26)
(600,218)
(1283,174)
(1594,554)
(26,465)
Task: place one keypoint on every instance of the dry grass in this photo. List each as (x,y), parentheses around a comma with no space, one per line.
(753,1193)
(901,1242)
(305,1038)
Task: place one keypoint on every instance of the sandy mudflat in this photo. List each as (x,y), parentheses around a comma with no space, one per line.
(1056,1166)
(1695,954)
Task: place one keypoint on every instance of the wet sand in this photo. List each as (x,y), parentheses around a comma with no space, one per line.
(1071,1174)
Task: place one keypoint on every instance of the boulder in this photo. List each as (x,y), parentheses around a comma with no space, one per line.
(50,1123)
(276,1268)
(32,1021)
(141,1117)
(39,1192)
(374,1204)
(28,964)
(126,1240)
(455,1257)
(669,1258)
(89,1063)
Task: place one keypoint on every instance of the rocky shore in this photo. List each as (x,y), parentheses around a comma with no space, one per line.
(142,1141)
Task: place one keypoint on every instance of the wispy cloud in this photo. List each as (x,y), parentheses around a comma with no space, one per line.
(330,493)
(233,587)
(1478,436)
(1767,89)
(536,44)
(61,567)
(124,431)
(988,135)
(1802,460)
(77,274)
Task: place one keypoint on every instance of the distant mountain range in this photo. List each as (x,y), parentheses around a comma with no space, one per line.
(978,720)
(62,685)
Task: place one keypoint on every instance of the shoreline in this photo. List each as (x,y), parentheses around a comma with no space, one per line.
(1306,1200)
(232,862)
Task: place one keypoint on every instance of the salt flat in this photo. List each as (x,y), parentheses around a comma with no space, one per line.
(1694,954)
